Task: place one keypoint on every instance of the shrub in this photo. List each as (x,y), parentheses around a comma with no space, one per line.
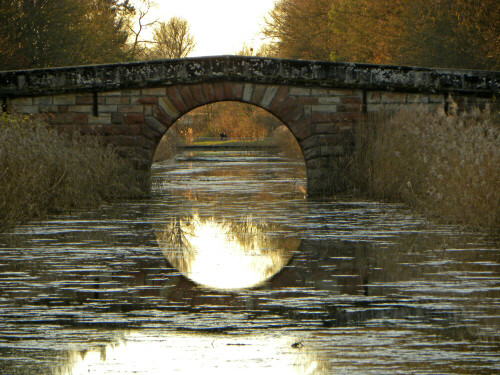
(42,171)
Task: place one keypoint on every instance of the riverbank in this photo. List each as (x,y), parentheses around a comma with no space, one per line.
(444,165)
(280,141)
(230,144)
(43,172)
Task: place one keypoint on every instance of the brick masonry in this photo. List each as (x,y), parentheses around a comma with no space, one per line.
(320,113)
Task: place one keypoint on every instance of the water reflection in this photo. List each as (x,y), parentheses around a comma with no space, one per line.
(370,288)
(229,235)
(175,352)
(225,255)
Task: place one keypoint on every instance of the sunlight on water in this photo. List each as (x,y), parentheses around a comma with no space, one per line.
(225,255)
(228,269)
(191,353)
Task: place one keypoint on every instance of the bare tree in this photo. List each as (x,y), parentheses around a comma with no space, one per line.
(139,24)
(172,40)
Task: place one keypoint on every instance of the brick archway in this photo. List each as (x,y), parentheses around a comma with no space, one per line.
(321,120)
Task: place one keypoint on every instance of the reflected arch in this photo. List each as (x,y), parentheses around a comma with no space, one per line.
(223,253)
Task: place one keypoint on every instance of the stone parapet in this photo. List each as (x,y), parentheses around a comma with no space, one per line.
(156,75)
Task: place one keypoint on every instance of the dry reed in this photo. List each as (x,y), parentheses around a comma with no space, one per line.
(42,171)
(445,165)
(167,147)
(286,143)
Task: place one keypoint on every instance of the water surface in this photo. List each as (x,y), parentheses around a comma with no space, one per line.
(230,269)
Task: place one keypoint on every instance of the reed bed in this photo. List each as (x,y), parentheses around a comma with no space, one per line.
(286,143)
(167,147)
(447,166)
(42,171)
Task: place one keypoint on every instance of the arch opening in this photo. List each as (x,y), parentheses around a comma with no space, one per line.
(228,124)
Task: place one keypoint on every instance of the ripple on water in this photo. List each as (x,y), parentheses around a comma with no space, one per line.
(351,286)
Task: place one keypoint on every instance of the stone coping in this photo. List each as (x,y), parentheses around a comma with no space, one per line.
(156,73)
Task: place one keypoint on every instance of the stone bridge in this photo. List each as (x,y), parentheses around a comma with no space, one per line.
(131,105)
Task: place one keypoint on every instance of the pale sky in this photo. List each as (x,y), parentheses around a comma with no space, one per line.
(219,27)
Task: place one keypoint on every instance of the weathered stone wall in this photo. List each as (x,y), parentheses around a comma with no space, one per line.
(132,105)
(134,120)
(388,102)
(247,69)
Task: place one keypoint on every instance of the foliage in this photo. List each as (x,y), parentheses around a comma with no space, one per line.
(439,33)
(171,40)
(237,120)
(445,165)
(45,33)
(453,33)
(267,50)
(366,31)
(298,29)
(42,171)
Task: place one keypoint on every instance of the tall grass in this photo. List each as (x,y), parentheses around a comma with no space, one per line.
(286,142)
(167,147)
(445,165)
(42,171)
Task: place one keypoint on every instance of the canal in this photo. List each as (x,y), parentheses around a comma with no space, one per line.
(230,268)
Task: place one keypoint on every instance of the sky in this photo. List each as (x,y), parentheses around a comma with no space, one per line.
(219,27)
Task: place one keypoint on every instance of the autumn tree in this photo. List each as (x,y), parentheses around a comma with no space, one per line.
(439,33)
(237,120)
(267,50)
(107,36)
(299,29)
(172,40)
(44,33)
(453,33)
(366,31)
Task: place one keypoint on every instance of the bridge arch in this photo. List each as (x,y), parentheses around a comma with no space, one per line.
(306,112)
(280,101)
(131,105)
